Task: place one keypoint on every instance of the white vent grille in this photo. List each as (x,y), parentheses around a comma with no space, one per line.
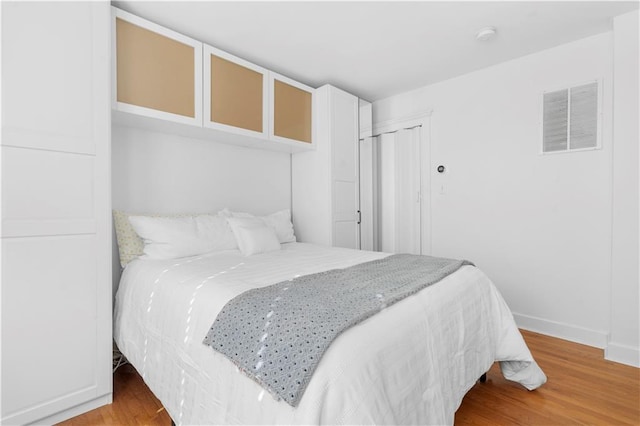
(570,119)
(556,121)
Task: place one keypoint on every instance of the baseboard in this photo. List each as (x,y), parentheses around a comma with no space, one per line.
(623,354)
(560,330)
(76,411)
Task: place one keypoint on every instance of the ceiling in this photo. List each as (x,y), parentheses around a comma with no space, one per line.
(378,49)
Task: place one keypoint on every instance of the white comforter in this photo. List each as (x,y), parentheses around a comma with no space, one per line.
(410,364)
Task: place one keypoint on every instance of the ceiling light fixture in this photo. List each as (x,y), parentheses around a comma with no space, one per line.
(486,33)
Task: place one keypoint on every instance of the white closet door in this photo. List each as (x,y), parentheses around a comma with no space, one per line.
(407,183)
(399,191)
(387,192)
(56,225)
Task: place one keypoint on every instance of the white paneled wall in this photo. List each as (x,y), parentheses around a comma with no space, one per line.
(56,227)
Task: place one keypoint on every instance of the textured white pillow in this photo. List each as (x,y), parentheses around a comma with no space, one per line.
(172,238)
(130,245)
(253,235)
(280,222)
(216,229)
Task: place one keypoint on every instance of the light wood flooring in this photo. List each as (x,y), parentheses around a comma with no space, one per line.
(582,388)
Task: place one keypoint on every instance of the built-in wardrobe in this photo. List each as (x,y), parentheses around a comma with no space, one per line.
(56,219)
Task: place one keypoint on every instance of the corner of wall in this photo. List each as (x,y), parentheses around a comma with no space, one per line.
(624,342)
(623,354)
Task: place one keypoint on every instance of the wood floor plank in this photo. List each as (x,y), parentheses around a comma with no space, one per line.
(582,389)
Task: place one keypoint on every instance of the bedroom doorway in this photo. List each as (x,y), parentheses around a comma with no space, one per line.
(394,188)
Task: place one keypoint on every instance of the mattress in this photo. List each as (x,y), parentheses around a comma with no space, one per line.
(411,363)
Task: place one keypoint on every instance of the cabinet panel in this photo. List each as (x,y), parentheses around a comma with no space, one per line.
(49,327)
(344,168)
(46,76)
(344,119)
(368,191)
(156,70)
(345,234)
(46,186)
(236,94)
(292,110)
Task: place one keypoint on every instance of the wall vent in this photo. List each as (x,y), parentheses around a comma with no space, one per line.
(571,119)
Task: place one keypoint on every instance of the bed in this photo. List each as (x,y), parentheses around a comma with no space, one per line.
(411,363)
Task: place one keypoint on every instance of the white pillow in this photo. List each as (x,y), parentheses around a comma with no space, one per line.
(253,235)
(280,222)
(216,229)
(171,238)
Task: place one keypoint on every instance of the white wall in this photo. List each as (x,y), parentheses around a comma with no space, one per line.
(538,225)
(624,341)
(161,173)
(168,173)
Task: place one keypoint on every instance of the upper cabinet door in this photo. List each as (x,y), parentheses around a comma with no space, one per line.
(157,72)
(236,94)
(291,118)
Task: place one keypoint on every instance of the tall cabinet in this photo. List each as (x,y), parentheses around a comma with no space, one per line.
(56,226)
(325,181)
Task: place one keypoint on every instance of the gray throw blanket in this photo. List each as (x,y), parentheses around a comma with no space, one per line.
(277,334)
